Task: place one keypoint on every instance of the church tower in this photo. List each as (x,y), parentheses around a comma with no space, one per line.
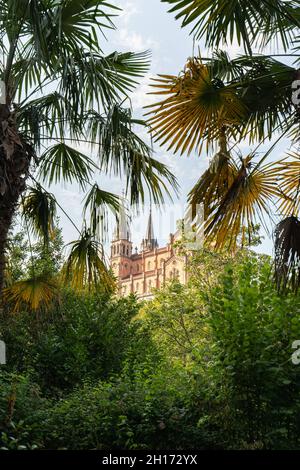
(144,271)
(121,246)
(149,243)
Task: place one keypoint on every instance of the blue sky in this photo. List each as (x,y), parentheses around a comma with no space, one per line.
(146,24)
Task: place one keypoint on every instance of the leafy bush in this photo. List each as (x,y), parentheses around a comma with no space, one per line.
(85,337)
(206,365)
(149,412)
(20,406)
(178,322)
(252,374)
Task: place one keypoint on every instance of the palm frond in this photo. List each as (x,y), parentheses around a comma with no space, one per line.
(123,153)
(248,198)
(289,181)
(62,163)
(91,81)
(98,203)
(196,108)
(225,20)
(27,72)
(36,293)
(265,87)
(85,266)
(39,210)
(250,96)
(213,183)
(287,254)
(50,116)
(74,22)
(59,27)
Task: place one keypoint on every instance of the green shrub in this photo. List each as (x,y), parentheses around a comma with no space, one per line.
(254,381)
(86,337)
(149,412)
(20,407)
(199,367)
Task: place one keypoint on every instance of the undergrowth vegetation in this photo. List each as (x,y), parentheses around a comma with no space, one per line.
(205,366)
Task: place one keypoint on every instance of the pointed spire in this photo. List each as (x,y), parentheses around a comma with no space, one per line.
(149,243)
(150,230)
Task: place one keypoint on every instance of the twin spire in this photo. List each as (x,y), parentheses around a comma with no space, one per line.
(122,230)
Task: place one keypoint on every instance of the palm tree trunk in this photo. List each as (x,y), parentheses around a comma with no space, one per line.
(15,157)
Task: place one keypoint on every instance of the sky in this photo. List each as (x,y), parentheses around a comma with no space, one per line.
(142,25)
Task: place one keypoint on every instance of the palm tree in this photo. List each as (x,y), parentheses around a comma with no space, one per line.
(219,102)
(60,89)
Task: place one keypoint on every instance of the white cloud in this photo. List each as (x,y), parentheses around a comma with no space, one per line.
(140,97)
(129,9)
(134,41)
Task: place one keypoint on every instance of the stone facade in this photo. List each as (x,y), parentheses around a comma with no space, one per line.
(148,268)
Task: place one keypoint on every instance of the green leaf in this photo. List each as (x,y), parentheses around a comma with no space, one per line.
(64,163)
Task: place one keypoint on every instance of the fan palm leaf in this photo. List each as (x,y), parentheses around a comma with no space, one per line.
(36,293)
(225,20)
(196,108)
(265,87)
(90,81)
(214,182)
(98,203)
(251,97)
(124,154)
(287,254)
(39,211)
(85,266)
(247,199)
(48,116)
(289,182)
(62,163)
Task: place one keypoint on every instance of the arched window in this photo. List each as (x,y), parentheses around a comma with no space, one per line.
(123,248)
(137,268)
(149,265)
(118,249)
(127,252)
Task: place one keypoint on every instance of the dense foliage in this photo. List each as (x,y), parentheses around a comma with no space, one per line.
(206,366)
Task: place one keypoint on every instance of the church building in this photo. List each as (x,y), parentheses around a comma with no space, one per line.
(146,269)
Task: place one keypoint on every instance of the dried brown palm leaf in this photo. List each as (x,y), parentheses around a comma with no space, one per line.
(34,293)
(287,254)
(289,181)
(246,201)
(214,182)
(196,108)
